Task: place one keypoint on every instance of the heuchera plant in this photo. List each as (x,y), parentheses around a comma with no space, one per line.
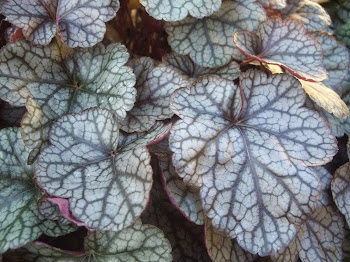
(174,130)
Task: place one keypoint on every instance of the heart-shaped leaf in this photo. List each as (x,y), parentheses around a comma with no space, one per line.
(310,13)
(320,237)
(224,249)
(77,23)
(341,190)
(154,86)
(284,43)
(138,243)
(20,221)
(209,41)
(192,71)
(185,198)
(250,155)
(175,10)
(87,78)
(105,174)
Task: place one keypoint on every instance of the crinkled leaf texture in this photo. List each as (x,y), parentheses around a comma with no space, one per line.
(76,22)
(310,13)
(192,71)
(89,77)
(341,190)
(154,86)
(209,41)
(138,243)
(320,237)
(175,10)
(105,174)
(250,155)
(20,221)
(284,43)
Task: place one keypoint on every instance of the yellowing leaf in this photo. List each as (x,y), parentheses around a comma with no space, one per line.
(326,98)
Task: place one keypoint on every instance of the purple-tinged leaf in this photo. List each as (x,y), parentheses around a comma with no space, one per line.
(20,221)
(175,10)
(192,71)
(209,41)
(224,249)
(320,237)
(154,86)
(106,175)
(77,22)
(341,190)
(310,13)
(51,211)
(284,43)
(250,155)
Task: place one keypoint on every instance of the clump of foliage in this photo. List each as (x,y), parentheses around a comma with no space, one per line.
(174,130)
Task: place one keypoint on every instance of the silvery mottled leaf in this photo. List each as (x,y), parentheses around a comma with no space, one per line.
(87,78)
(284,43)
(320,237)
(154,86)
(343,33)
(273,4)
(186,238)
(10,115)
(192,71)
(341,190)
(80,22)
(251,162)
(209,41)
(175,10)
(105,174)
(310,13)
(20,221)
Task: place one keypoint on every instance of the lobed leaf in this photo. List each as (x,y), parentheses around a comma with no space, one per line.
(284,43)
(310,13)
(192,71)
(341,190)
(154,87)
(95,165)
(320,237)
(209,41)
(175,10)
(77,23)
(20,221)
(250,155)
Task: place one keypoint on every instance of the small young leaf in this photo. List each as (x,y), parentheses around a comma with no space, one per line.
(310,13)
(105,174)
(77,23)
(284,43)
(273,4)
(250,156)
(209,41)
(175,10)
(341,190)
(192,71)
(20,221)
(154,87)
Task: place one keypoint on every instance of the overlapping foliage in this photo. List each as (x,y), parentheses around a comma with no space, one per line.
(209,149)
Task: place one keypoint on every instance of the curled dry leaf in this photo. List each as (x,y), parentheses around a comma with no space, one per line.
(209,41)
(250,155)
(175,10)
(77,23)
(95,165)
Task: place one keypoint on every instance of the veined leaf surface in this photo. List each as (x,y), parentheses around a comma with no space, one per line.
(20,221)
(209,41)
(273,4)
(105,174)
(87,78)
(154,86)
(320,237)
(284,43)
(77,23)
(175,10)
(250,155)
